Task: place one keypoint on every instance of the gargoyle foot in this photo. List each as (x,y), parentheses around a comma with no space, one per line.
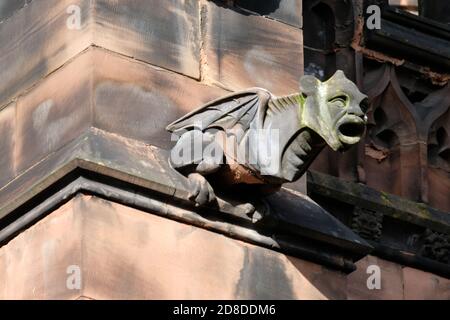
(201,191)
(247,208)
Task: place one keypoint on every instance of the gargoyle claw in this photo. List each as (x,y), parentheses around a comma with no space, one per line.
(201,191)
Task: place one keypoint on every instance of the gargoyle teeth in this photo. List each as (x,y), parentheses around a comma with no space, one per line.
(297,148)
(294,159)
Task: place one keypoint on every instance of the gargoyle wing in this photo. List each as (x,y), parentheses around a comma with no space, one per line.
(225,113)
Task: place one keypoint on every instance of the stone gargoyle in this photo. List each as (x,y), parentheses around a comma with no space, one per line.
(254,141)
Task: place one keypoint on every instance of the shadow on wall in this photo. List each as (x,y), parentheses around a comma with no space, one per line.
(8,8)
(319,282)
(265,275)
(263,8)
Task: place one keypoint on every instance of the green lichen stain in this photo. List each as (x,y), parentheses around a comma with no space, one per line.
(423,210)
(385,198)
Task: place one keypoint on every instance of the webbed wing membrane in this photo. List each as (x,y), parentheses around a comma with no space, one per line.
(225,113)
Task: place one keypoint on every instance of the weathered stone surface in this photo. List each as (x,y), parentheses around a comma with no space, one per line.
(23,187)
(34,264)
(37,41)
(388,204)
(331,284)
(401,230)
(420,285)
(125,253)
(10,7)
(53,113)
(399,166)
(152,258)
(244,51)
(138,101)
(439,186)
(166,34)
(7,143)
(41,38)
(287,11)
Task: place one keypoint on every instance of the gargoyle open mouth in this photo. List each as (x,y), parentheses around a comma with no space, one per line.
(351,129)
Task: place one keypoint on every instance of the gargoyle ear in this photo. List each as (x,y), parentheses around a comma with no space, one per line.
(339,74)
(309,84)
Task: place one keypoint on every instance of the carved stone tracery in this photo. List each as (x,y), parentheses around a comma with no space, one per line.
(407,133)
(406,150)
(436,246)
(367,223)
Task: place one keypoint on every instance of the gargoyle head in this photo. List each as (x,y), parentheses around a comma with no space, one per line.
(333,109)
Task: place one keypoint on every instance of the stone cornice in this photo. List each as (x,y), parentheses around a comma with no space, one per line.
(137,175)
(417,40)
(401,230)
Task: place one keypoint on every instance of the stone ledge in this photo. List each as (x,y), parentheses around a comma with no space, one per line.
(400,230)
(418,40)
(136,174)
(286,11)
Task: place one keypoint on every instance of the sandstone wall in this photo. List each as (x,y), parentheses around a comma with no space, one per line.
(131,68)
(124,253)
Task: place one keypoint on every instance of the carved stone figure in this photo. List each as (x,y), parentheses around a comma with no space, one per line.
(436,246)
(367,223)
(256,141)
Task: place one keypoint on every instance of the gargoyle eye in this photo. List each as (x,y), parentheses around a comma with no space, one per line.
(364,105)
(342,99)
